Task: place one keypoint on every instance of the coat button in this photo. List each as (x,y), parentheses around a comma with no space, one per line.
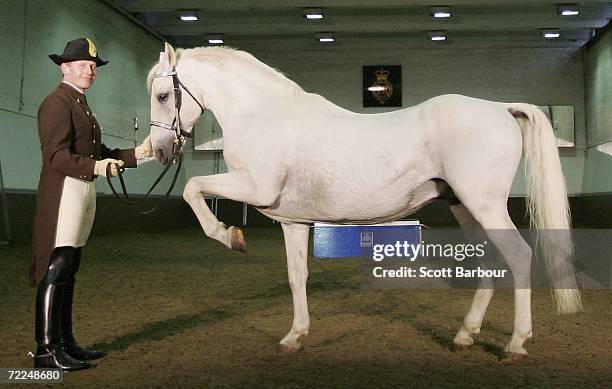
(91,156)
(87,113)
(78,100)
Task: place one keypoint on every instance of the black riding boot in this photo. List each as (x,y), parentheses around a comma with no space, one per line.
(70,344)
(50,352)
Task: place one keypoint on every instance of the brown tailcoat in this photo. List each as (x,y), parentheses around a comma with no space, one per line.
(70,139)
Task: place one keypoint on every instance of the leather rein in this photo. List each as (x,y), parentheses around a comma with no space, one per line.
(177,149)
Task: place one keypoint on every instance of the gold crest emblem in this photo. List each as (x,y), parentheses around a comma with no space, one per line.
(92,48)
(382,88)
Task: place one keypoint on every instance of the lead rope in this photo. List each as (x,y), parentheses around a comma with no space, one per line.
(126,200)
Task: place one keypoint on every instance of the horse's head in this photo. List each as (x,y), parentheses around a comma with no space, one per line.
(171,109)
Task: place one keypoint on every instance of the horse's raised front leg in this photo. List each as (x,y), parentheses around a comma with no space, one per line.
(296,244)
(235,186)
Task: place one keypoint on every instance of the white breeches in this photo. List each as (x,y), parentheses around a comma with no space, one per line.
(76,213)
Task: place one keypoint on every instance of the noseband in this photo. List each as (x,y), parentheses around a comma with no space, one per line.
(177,153)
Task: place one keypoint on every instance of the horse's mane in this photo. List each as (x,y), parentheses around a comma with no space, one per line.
(220,54)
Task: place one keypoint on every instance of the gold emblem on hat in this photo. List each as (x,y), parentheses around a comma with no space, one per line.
(92,48)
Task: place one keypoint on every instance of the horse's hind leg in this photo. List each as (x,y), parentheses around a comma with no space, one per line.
(296,244)
(494,219)
(517,254)
(473,320)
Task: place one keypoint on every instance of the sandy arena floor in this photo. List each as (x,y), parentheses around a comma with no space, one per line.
(180,310)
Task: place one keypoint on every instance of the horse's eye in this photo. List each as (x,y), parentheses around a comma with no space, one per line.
(162,97)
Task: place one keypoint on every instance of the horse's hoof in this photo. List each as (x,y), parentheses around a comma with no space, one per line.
(512,357)
(284,349)
(460,347)
(238,242)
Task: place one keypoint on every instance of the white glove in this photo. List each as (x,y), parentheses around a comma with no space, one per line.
(145,149)
(100,168)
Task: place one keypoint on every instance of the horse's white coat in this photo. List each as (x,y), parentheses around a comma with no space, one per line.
(299,158)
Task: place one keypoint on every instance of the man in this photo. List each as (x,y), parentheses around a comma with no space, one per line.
(73,156)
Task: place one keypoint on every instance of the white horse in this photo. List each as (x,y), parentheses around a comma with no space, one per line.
(298,158)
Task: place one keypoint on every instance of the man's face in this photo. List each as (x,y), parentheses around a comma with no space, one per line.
(81,74)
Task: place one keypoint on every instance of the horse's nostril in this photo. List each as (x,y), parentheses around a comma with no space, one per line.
(161,156)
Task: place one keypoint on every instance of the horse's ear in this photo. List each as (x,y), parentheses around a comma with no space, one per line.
(169,50)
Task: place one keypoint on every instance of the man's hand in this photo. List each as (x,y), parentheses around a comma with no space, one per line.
(100,168)
(145,149)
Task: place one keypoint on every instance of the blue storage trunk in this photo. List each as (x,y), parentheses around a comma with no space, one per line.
(345,241)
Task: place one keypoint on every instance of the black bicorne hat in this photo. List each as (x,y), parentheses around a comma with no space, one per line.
(81,49)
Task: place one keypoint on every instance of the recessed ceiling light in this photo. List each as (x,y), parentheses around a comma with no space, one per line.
(325,37)
(568,9)
(312,13)
(440,12)
(215,39)
(551,33)
(188,16)
(436,35)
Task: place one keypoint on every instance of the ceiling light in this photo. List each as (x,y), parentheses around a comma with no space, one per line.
(324,37)
(436,35)
(550,33)
(440,12)
(214,39)
(568,9)
(188,16)
(312,13)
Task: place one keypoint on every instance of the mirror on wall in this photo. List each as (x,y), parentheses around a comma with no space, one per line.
(562,120)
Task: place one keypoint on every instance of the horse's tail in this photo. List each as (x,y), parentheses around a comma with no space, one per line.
(547,203)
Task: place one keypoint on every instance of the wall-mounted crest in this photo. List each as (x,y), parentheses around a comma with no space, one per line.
(382,86)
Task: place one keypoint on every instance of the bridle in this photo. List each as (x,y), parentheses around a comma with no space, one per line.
(177,148)
(176,125)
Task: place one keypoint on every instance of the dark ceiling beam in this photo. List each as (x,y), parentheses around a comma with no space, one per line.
(498,35)
(226,5)
(172,18)
(343,42)
(374,25)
